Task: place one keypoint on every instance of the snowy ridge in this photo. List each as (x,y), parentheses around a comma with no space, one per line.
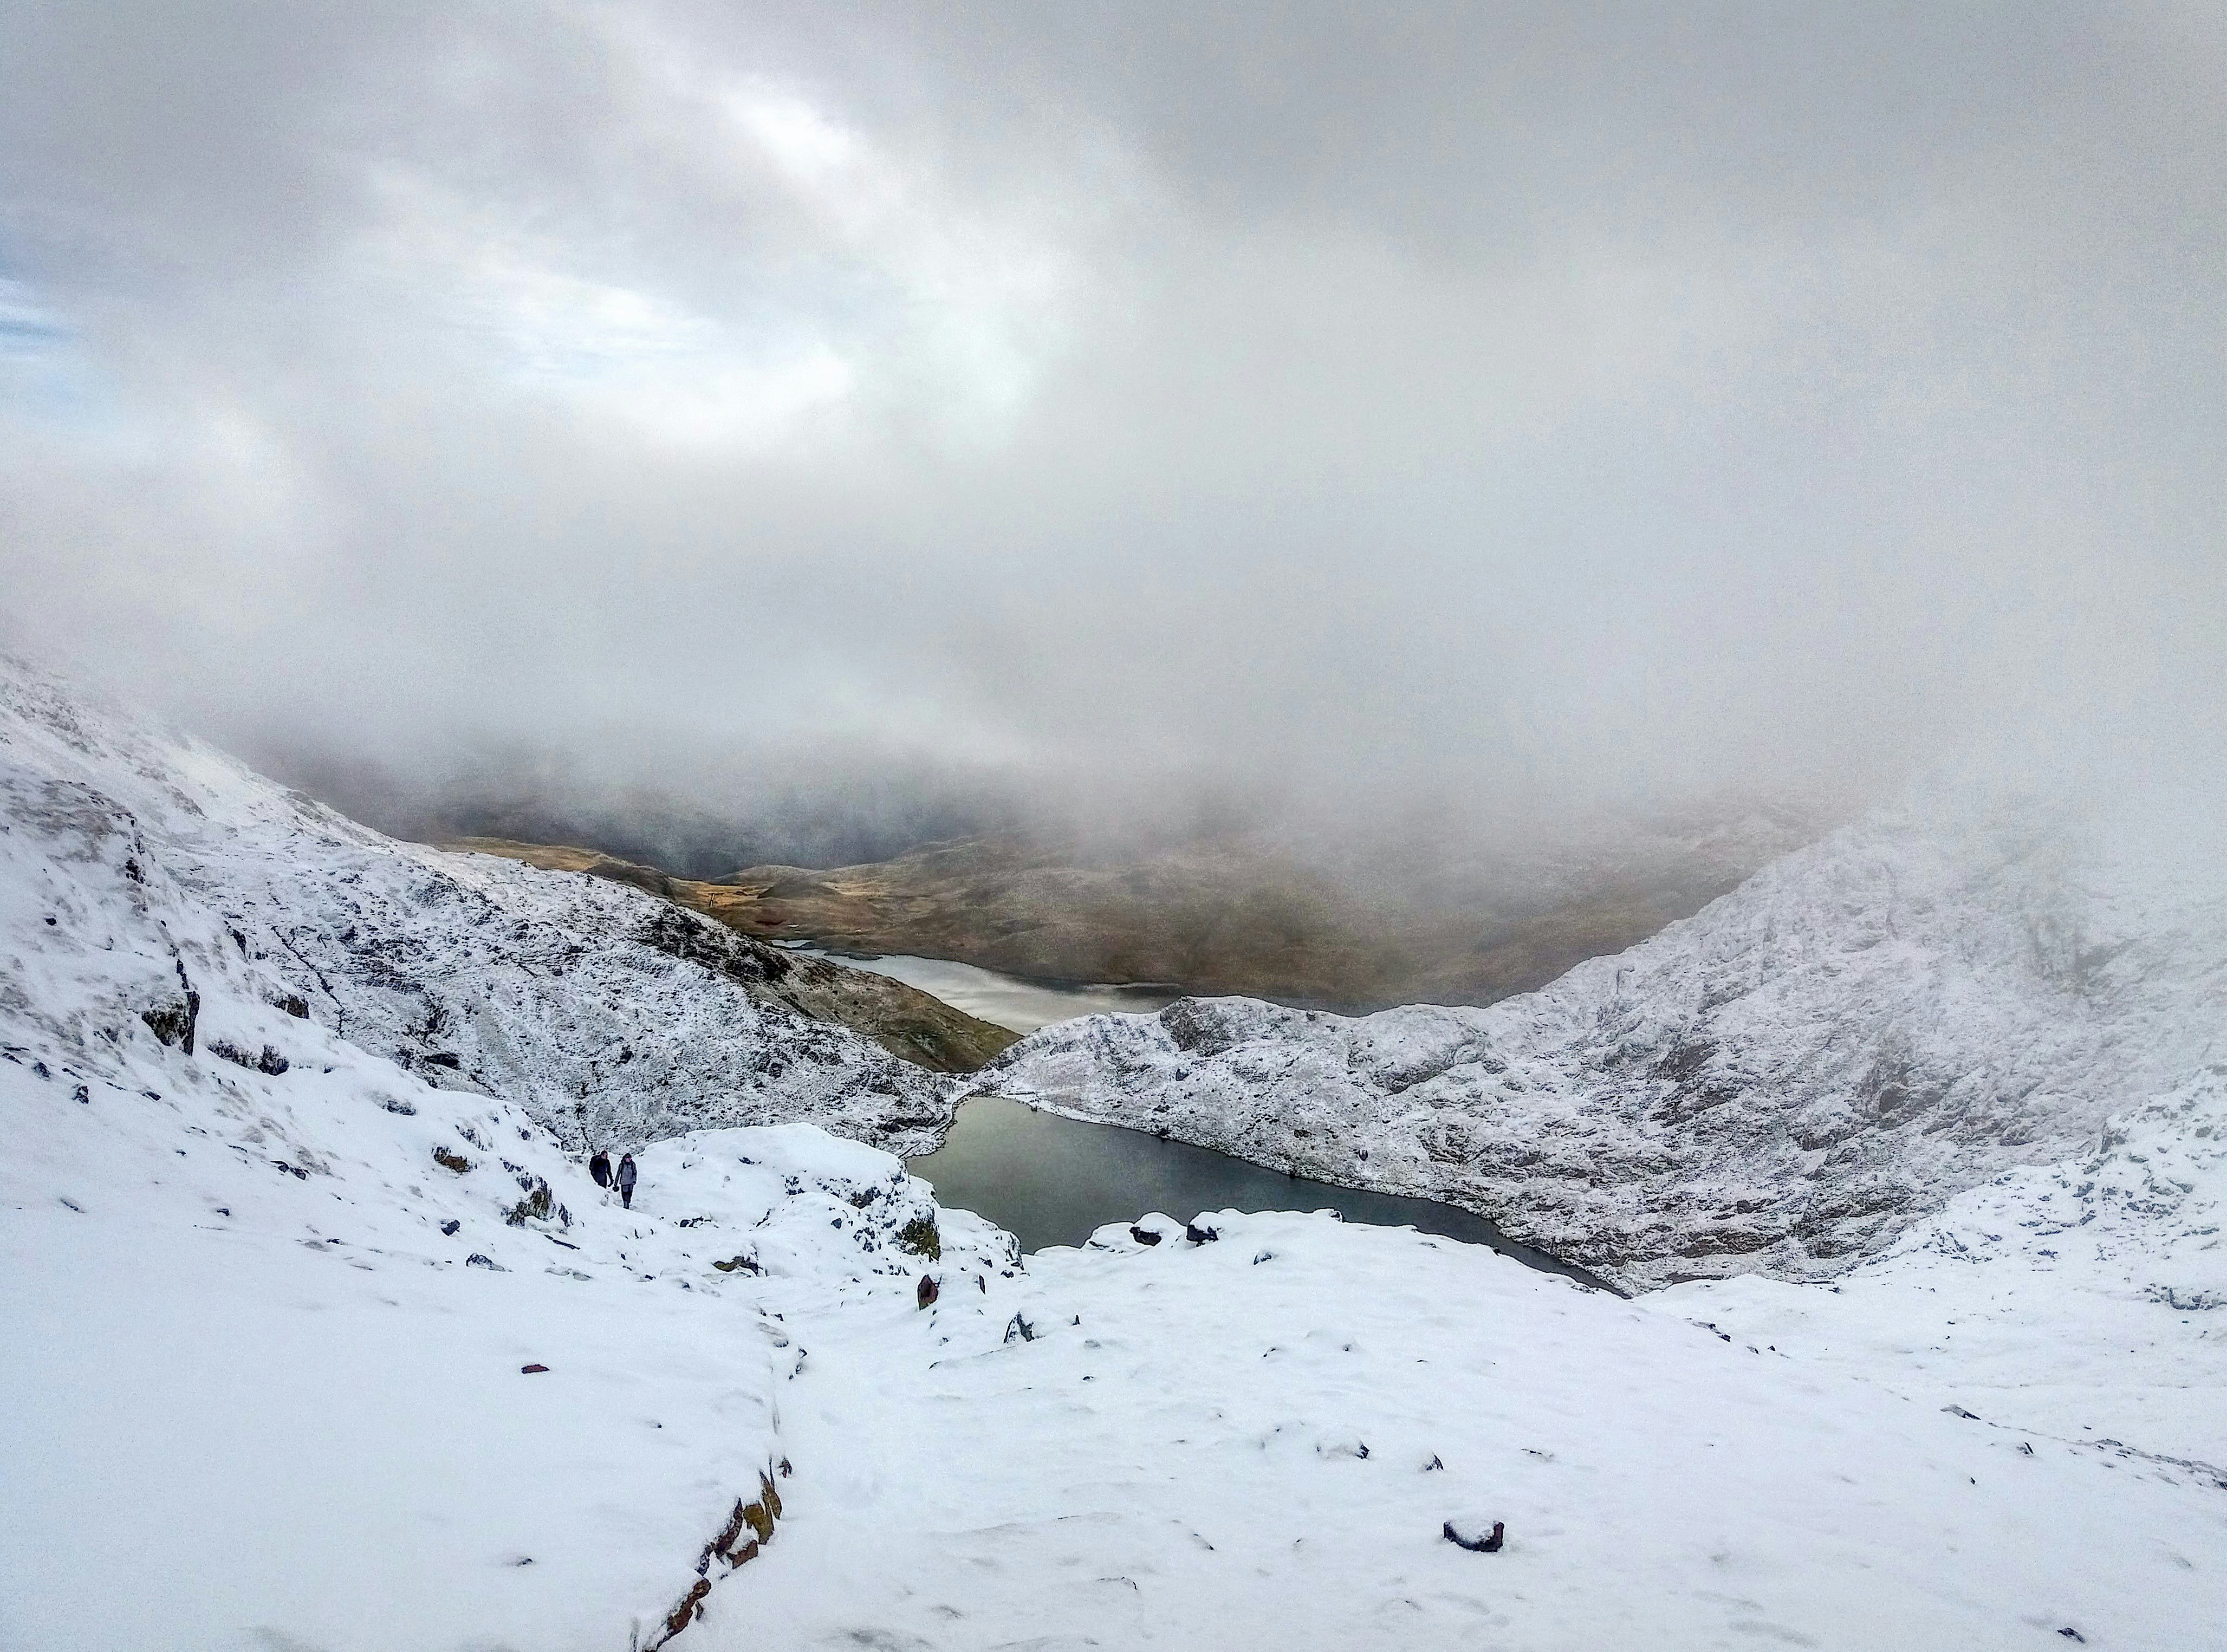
(608,1016)
(1781,1084)
(310,1348)
(280,1307)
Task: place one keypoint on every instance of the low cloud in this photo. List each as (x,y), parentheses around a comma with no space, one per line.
(1121,417)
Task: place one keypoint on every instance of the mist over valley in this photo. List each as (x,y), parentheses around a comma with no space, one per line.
(1003,827)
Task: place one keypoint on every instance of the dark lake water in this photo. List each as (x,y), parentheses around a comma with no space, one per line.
(1053,1181)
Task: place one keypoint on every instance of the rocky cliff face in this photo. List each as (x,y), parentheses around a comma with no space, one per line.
(1781,1083)
(609,1015)
(904,1020)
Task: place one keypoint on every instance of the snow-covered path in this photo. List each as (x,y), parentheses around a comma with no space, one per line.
(1185,1467)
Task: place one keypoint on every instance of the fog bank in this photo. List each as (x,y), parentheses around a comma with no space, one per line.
(899,425)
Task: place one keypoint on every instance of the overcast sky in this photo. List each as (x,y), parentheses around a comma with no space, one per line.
(1369,404)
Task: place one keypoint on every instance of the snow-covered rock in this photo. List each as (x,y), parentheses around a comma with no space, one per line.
(142,871)
(1780,1084)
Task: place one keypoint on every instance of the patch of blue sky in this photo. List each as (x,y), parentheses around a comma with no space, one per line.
(46,375)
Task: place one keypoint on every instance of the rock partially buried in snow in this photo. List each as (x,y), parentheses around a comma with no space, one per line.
(1472,1536)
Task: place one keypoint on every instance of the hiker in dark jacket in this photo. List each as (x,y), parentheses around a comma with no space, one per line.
(600,1168)
(626,1180)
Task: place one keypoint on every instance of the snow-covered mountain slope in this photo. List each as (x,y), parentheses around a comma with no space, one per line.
(610,1016)
(260,1397)
(275,1351)
(2086,1300)
(309,1347)
(1779,1084)
(317,1406)
(271,1291)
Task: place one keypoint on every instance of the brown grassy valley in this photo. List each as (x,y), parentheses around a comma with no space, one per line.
(1235,915)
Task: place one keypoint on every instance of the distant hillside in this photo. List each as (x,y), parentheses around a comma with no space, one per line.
(1237,914)
(903,1019)
(1781,1084)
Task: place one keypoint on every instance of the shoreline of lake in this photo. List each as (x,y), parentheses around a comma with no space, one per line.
(1052,1180)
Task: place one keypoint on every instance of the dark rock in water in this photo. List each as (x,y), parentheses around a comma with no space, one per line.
(1143,1235)
(927,1290)
(1199,1236)
(1475,1545)
(529,1370)
(450,1226)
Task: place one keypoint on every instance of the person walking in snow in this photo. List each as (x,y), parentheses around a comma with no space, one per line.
(626,1180)
(600,1168)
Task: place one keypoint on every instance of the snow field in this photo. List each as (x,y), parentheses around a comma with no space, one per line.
(1184,1467)
(257,1409)
(2085,1300)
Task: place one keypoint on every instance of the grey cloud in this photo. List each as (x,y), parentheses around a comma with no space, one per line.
(1510,409)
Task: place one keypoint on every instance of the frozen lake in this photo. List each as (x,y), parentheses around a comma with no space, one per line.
(1004,1000)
